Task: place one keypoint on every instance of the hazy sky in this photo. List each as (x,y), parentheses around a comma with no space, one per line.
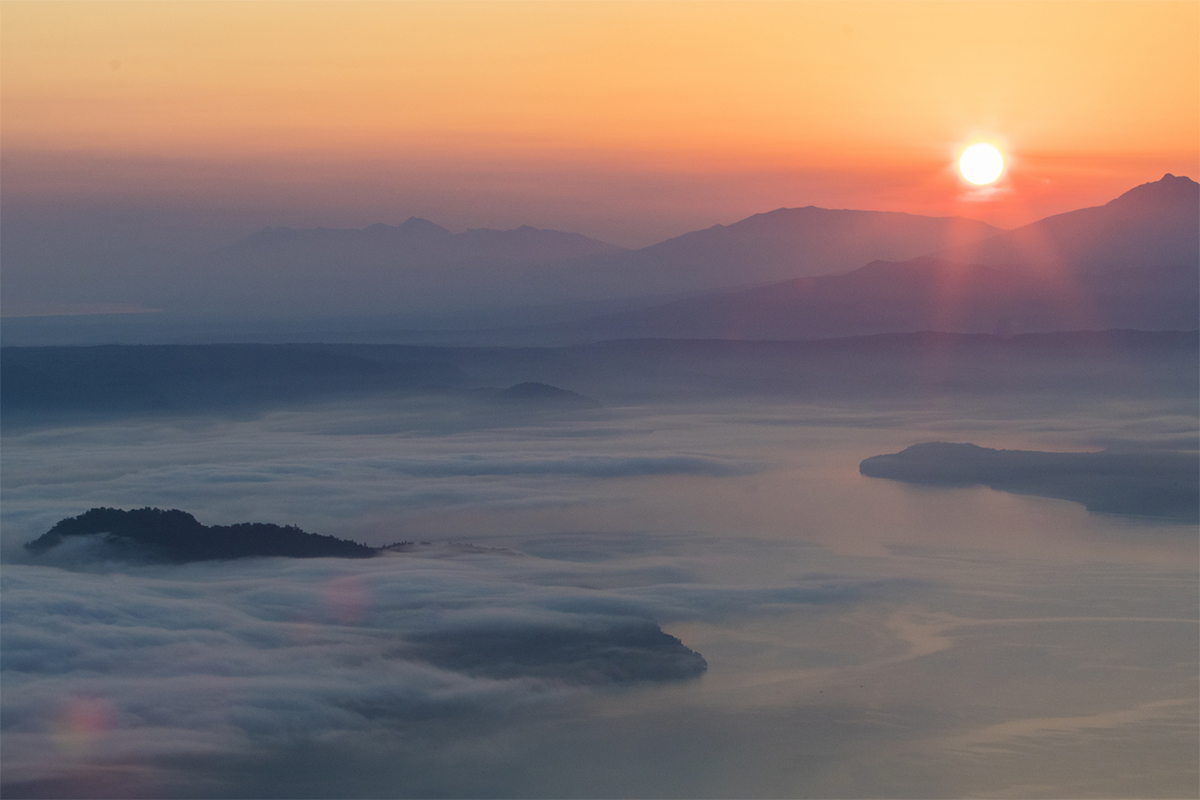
(627,121)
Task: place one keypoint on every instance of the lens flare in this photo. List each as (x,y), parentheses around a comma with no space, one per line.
(81,724)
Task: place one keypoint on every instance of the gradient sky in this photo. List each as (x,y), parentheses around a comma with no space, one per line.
(627,121)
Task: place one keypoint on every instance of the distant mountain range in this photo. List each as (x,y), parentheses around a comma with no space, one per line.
(1153,225)
(924,294)
(419,267)
(786,274)
(1133,263)
(780,245)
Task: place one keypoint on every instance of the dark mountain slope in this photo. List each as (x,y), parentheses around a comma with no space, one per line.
(1153,225)
(419,267)
(784,244)
(792,243)
(917,295)
(1132,263)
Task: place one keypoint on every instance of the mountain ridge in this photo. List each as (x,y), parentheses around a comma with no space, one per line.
(1131,263)
(926,293)
(1127,263)
(419,266)
(1153,224)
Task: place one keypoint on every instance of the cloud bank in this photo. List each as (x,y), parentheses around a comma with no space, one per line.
(149,665)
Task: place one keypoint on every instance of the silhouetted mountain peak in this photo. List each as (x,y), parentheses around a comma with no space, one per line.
(1169,192)
(1154,225)
(418,225)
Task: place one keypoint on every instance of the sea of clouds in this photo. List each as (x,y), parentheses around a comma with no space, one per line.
(667,601)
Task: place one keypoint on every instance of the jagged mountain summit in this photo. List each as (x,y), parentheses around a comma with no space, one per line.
(1155,224)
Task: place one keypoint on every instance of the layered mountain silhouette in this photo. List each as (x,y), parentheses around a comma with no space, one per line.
(1133,263)
(790,273)
(919,295)
(1153,225)
(783,244)
(420,267)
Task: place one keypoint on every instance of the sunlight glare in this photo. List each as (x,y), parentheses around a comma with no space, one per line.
(981,164)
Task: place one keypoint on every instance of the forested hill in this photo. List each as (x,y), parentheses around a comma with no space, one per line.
(176,536)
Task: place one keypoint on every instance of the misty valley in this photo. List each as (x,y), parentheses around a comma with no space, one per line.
(627,568)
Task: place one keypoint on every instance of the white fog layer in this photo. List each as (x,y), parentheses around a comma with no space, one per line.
(570,576)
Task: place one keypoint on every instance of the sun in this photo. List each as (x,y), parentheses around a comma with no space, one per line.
(981,164)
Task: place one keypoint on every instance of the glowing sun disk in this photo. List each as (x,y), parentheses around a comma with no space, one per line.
(981,164)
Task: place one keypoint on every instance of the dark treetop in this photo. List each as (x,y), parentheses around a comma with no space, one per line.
(1150,483)
(176,536)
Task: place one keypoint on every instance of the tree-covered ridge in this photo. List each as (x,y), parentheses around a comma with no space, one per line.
(176,536)
(1148,483)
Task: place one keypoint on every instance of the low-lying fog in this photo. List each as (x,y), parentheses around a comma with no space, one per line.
(863,637)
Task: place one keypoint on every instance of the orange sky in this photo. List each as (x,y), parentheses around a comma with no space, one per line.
(630,121)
